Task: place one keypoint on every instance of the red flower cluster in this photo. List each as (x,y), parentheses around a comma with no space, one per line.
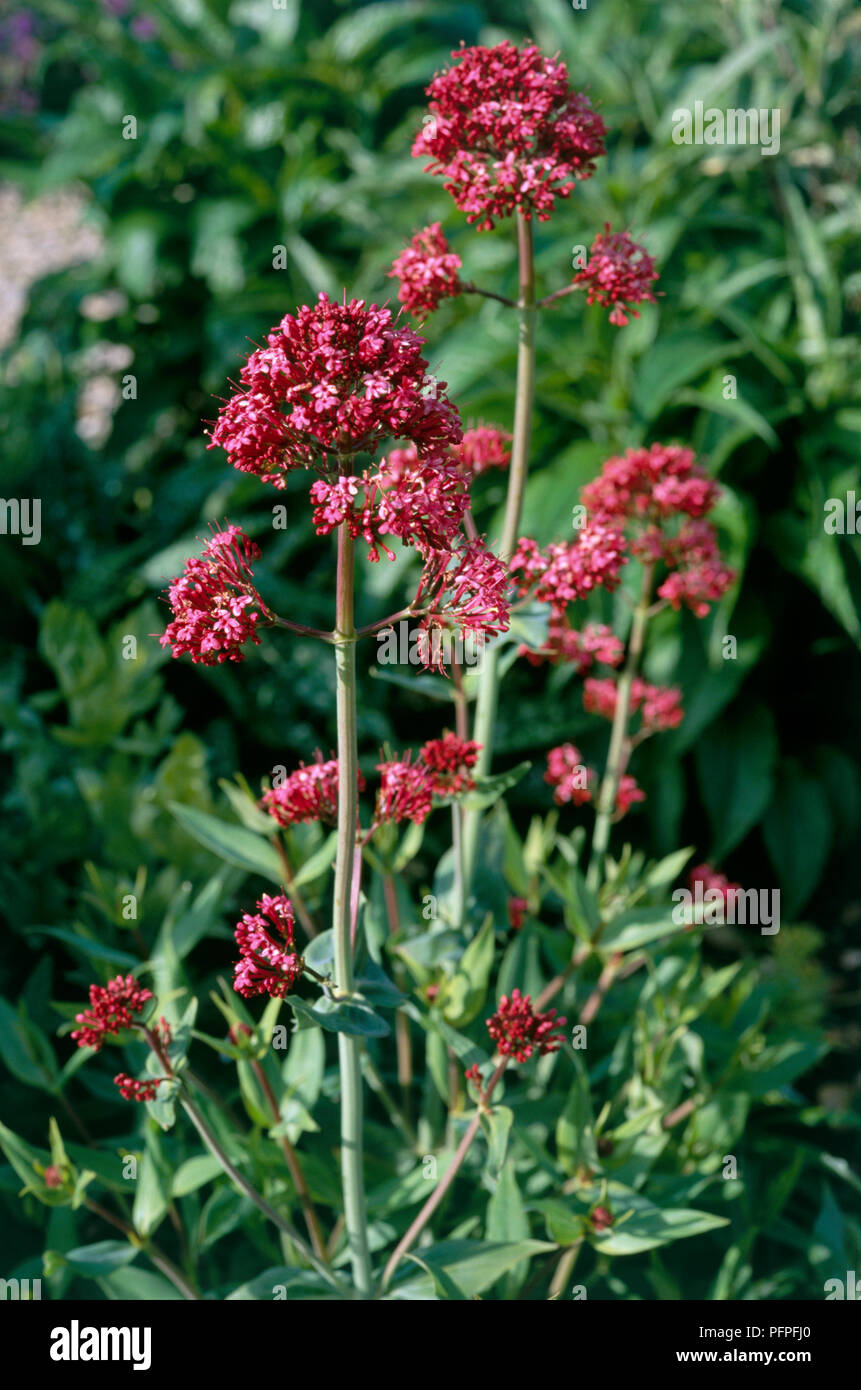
(518,1030)
(267,965)
(574,782)
(215,604)
(333,380)
(112,1007)
(618,274)
(419,501)
(570,778)
(138,1090)
(428,272)
(596,643)
(647,489)
(467,589)
(650,484)
(517,909)
(407,788)
(714,881)
(406,791)
(507,133)
(483,447)
(569,570)
(308,794)
(448,759)
(659,705)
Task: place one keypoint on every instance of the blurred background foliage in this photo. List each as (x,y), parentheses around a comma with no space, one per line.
(269,132)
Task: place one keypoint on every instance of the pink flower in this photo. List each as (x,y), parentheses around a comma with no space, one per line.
(660,706)
(618,274)
(596,643)
(569,570)
(660,481)
(449,759)
(428,272)
(466,589)
(138,1090)
(712,881)
(507,133)
(215,604)
(269,962)
(112,1007)
(571,780)
(483,447)
(308,794)
(406,791)
(627,793)
(517,909)
(518,1030)
(333,380)
(54,1176)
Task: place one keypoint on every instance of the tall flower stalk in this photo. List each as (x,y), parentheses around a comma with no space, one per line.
(349,1047)
(488,690)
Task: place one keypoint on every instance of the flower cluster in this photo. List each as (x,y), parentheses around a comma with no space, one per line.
(420,502)
(507,133)
(714,882)
(406,791)
(646,491)
(308,794)
(332,381)
(595,643)
(576,784)
(483,447)
(407,788)
(449,759)
(617,275)
(465,588)
(215,605)
(659,705)
(112,1007)
(569,570)
(518,1030)
(428,272)
(140,1091)
(269,962)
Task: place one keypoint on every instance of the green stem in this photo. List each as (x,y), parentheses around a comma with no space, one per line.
(349,1048)
(488,691)
(618,734)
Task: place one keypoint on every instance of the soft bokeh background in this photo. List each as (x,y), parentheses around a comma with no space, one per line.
(259,127)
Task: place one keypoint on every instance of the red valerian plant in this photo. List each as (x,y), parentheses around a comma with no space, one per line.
(343,391)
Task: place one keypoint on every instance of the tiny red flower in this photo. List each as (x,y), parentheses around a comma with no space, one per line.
(139,1091)
(308,794)
(518,1030)
(601,1218)
(428,272)
(112,1008)
(618,274)
(54,1176)
(269,962)
(571,780)
(215,604)
(449,759)
(483,447)
(507,133)
(517,909)
(406,791)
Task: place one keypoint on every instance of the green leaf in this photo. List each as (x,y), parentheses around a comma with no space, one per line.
(798,835)
(735,764)
(234,843)
(488,790)
(102,1258)
(354,1018)
(469,1267)
(498,1123)
(464,995)
(152,1194)
(638,927)
(194,1173)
